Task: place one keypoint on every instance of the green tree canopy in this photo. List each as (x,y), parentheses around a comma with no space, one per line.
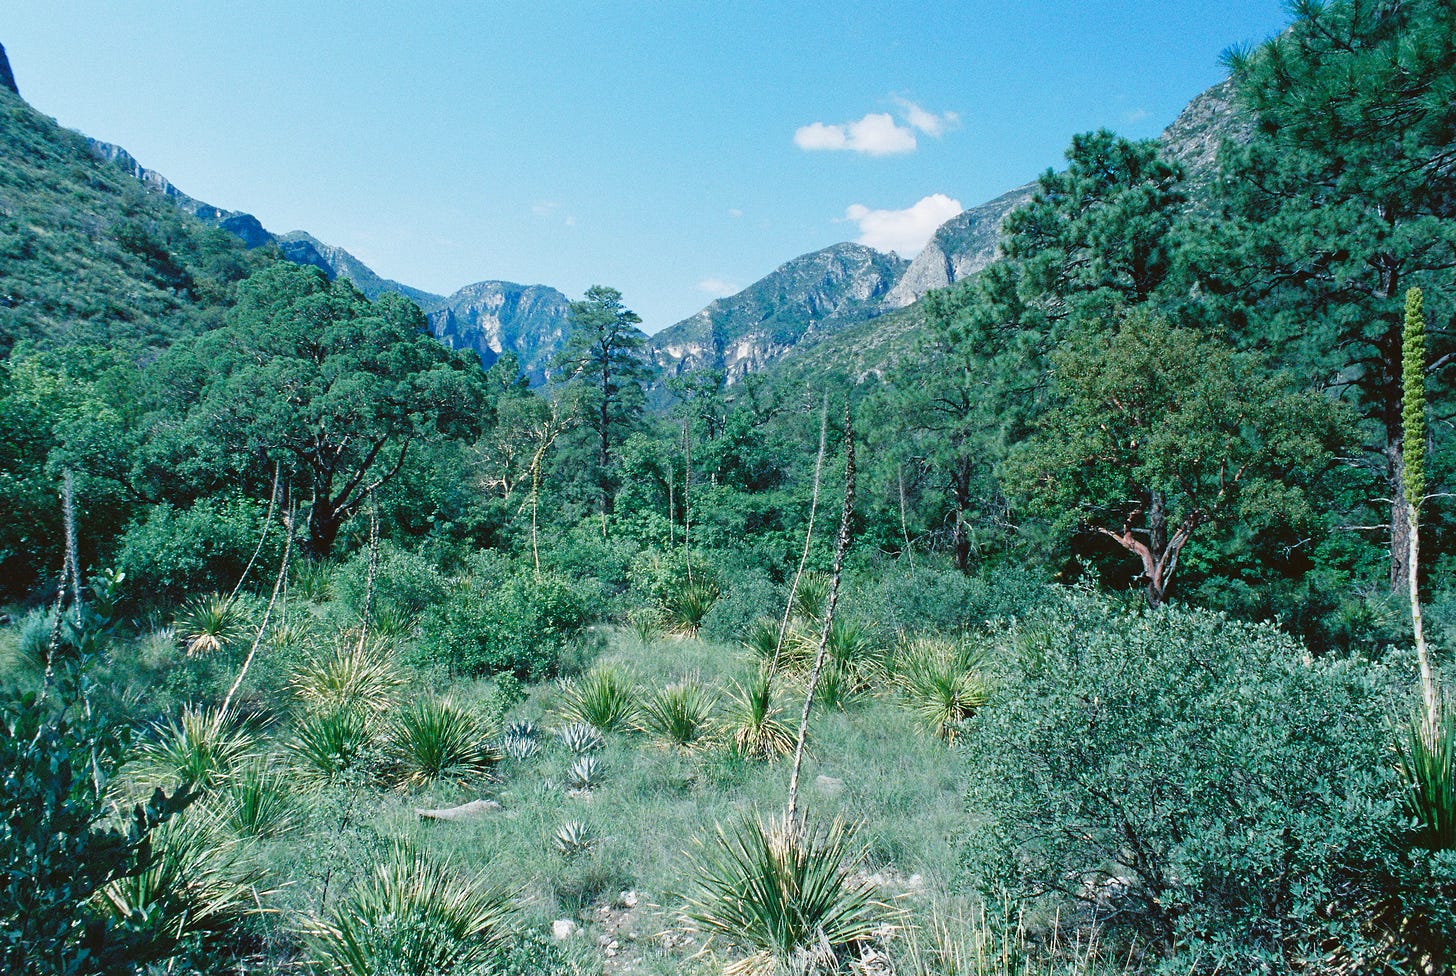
(1157,432)
(1345,197)
(309,375)
(603,367)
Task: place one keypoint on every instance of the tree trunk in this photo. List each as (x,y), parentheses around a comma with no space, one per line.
(960,538)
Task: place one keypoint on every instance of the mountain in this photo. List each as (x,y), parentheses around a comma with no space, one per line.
(88,256)
(967,242)
(303,248)
(961,246)
(496,317)
(488,317)
(7,77)
(812,295)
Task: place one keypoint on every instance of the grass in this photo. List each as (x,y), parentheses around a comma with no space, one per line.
(324,822)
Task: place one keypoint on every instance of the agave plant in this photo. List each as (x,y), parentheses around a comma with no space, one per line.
(584,773)
(211,623)
(689,602)
(411,918)
(521,741)
(580,738)
(784,889)
(682,714)
(574,839)
(940,682)
(353,675)
(201,746)
(198,885)
(257,802)
(603,699)
(437,739)
(330,742)
(1426,760)
(753,725)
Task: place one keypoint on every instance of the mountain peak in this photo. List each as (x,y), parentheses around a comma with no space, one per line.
(7,77)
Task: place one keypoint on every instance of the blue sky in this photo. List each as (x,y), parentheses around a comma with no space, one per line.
(676,151)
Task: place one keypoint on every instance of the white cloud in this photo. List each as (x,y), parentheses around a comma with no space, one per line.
(903,231)
(717,287)
(1134,116)
(877,134)
(927,122)
(735,212)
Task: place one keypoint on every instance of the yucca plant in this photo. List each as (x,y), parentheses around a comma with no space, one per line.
(753,724)
(312,580)
(354,675)
(436,739)
(211,623)
(574,839)
(681,714)
(198,885)
(940,683)
(328,743)
(603,698)
(1426,760)
(645,623)
(391,623)
(580,738)
(762,638)
(784,889)
(584,773)
(257,802)
(811,598)
(411,917)
(689,602)
(201,746)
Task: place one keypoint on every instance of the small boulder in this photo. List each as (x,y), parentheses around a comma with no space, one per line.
(564,928)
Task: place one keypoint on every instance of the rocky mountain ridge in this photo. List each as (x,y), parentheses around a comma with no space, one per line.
(812,294)
(803,303)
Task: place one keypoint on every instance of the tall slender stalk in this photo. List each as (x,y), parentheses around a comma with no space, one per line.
(69,576)
(262,537)
(841,545)
(1413,481)
(808,538)
(262,627)
(687,509)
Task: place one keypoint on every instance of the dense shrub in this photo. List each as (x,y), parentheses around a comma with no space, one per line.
(928,599)
(1205,787)
(746,597)
(520,624)
(174,553)
(405,583)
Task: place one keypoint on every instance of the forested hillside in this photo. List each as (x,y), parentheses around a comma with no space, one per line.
(1090,614)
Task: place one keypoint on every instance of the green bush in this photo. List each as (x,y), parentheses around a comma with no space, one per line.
(174,553)
(934,600)
(1213,792)
(520,625)
(405,583)
(746,597)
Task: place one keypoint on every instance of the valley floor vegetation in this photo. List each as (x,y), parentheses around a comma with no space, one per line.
(1104,629)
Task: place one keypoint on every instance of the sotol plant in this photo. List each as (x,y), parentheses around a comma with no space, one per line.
(412,917)
(603,699)
(941,683)
(211,623)
(784,889)
(437,739)
(201,746)
(681,714)
(753,725)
